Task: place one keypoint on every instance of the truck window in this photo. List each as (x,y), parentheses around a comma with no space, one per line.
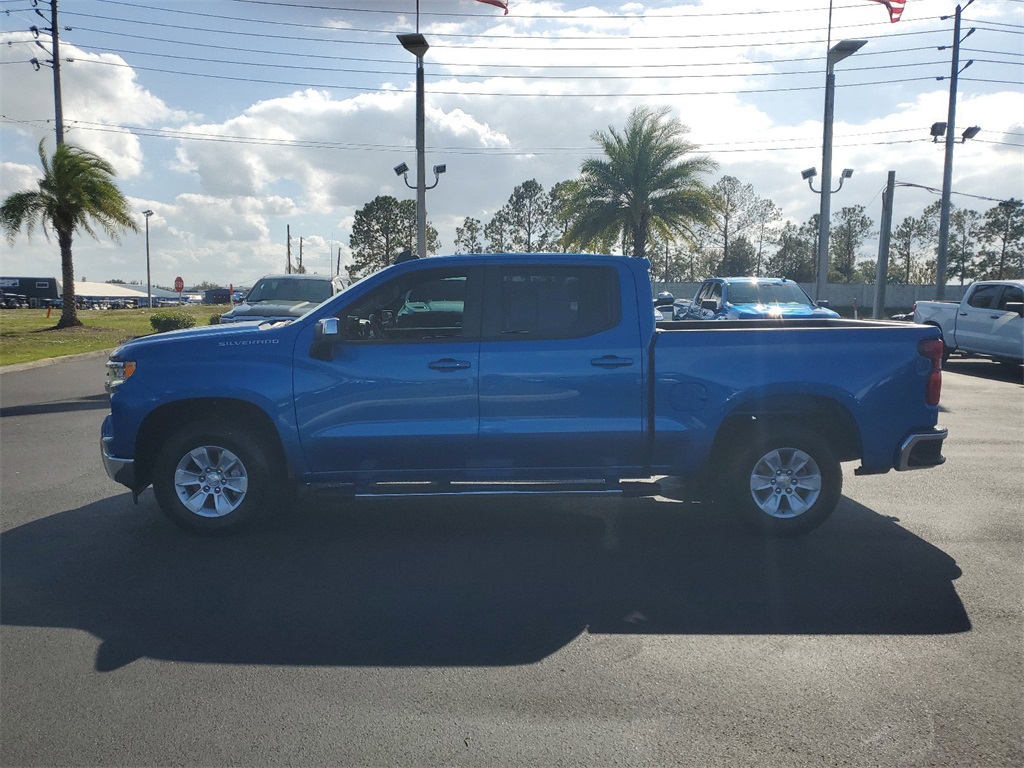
(558,302)
(1010,293)
(985,296)
(423,306)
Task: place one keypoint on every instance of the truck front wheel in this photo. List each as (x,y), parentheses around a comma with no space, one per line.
(212,477)
(785,483)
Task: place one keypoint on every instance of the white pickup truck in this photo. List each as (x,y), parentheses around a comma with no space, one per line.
(989,320)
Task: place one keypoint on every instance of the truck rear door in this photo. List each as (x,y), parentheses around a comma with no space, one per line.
(561,368)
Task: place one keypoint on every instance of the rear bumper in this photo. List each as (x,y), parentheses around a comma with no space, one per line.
(921,450)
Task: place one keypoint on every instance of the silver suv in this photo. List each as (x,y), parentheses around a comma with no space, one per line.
(284,297)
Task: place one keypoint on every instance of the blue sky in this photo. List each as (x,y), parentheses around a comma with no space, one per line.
(233,119)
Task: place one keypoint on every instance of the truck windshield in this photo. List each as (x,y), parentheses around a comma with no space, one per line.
(285,289)
(768,293)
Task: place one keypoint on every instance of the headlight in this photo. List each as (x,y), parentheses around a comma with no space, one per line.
(118,372)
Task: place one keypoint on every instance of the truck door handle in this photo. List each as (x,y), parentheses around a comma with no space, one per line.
(963,314)
(611,361)
(449,364)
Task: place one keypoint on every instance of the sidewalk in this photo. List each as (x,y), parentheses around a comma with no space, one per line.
(53,361)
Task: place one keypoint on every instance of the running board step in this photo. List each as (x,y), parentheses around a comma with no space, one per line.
(631,489)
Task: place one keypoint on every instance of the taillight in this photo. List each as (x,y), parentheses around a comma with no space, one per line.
(932,349)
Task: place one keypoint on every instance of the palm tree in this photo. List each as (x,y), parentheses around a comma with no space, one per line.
(648,184)
(77,188)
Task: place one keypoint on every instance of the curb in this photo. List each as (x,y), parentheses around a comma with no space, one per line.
(53,361)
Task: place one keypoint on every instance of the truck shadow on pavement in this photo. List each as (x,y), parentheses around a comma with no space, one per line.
(459,582)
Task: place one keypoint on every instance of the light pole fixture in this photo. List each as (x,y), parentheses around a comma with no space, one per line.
(149,284)
(838,52)
(970,133)
(417,45)
(809,174)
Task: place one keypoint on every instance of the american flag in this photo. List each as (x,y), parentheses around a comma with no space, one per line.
(500,4)
(895,8)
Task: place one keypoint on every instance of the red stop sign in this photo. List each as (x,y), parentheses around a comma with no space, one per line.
(179,284)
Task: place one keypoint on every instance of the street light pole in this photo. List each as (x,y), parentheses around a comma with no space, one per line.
(947,168)
(421,165)
(417,45)
(149,284)
(837,53)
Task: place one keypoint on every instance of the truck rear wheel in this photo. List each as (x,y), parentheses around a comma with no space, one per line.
(785,483)
(212,477)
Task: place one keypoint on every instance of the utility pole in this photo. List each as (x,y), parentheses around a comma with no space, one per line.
(54,31)
(288,264)
(947,168)
(882,269)
(300,255)
(57,103)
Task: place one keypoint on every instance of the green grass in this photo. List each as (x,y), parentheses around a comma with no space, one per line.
(28,334)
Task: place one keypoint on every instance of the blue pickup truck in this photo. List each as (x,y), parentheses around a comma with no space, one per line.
(518,374)
(749,298)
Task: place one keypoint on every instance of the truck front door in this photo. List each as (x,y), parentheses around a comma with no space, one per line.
(983,325)
(561,369)
(400,394)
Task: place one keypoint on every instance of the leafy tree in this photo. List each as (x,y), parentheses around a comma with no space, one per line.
(1003,233)
(206,286)
(866,271)
(795,255)
(765,213)
(964,233)
(647,180)
(740,258)
(498,233)
(528,213)
(76,190)
(669,261)
(850,228)
(382,229)
(560,198)
(467,237)
(904,246)
(733,205)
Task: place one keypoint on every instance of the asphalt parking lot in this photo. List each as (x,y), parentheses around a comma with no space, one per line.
(494,632)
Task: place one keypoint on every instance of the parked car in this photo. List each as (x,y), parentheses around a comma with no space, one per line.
(518,373)
(283,297)
(749,298)
(988,321)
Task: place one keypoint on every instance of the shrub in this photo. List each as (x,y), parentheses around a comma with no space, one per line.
(171,321)
(214,319)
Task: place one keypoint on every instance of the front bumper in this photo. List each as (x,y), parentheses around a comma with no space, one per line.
(121,470)
(921,450)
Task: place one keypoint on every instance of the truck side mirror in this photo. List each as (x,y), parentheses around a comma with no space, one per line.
(709,304)
(823,303)
(326,334)
(1015,306)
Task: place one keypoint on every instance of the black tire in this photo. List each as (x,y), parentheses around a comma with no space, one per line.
(213,477)
(785,483)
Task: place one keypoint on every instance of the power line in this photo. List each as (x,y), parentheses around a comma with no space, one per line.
(365,89)
(589,76)
(721,148)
